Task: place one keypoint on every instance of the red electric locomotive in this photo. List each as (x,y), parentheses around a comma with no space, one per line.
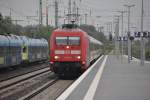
(72,50)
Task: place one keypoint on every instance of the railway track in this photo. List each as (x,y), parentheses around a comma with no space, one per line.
(11,81)
(7,74)
(32,84)
(26,83)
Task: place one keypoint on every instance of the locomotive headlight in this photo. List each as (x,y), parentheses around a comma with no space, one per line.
(79,57)
(56,57)
(67,47)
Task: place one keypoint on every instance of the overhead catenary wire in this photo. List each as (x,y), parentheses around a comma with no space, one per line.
(16,12)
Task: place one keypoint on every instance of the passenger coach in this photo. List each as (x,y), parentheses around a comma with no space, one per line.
(15,50)
(72,50)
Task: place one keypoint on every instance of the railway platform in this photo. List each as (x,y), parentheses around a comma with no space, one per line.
(111,78)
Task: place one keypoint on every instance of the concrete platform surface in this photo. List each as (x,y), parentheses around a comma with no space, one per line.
(112,78)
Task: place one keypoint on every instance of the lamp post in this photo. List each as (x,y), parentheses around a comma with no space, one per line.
(122,26)
(142,38)
(116,36)
(129,42)
(86,18)
(98,25)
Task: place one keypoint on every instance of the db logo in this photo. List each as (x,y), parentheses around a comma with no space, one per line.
(67,51)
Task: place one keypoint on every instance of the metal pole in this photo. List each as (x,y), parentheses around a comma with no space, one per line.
(131,49)
(122,12)
(64,17)
(10,19)
(107,27)
(47,9)
(142,38)
(69,12)
(116,36)
(40,13)
(81,18)
(86,18)
(122,35)
(74,9)
(77,18)
(56,13)
(10,14)
(47,16)
(129,42)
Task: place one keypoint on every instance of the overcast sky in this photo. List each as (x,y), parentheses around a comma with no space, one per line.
(104,8)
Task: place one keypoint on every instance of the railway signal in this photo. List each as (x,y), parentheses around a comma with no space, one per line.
(131,38)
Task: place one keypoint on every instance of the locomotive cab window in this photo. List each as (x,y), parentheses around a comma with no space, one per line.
(69,40)
(61,40)
(74,40)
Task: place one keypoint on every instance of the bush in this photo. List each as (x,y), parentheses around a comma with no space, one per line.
(147,53)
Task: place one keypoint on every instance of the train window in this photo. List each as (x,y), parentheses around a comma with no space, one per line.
(74,40)
(61,40)
(1,50)
(24,49)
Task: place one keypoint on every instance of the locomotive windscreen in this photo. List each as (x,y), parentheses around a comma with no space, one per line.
(69,40)
(61,40)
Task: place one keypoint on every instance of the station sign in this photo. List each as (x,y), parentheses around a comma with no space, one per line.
(142,34)
(124,38)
